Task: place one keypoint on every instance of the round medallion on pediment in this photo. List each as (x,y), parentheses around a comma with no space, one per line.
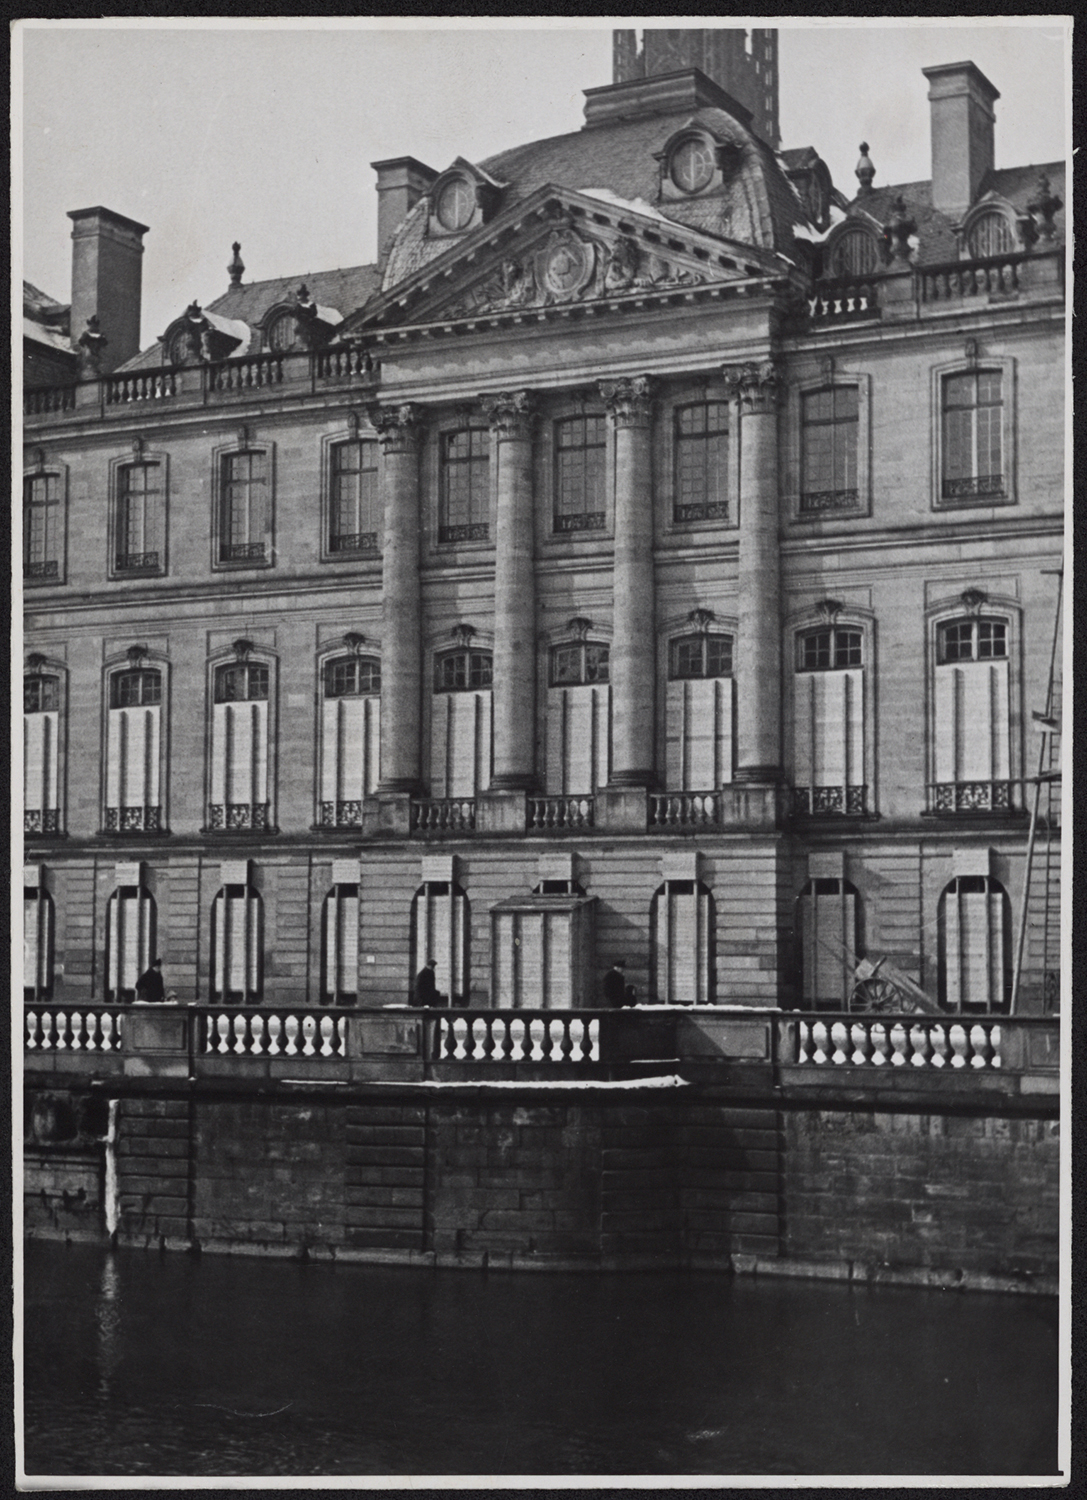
(566,264)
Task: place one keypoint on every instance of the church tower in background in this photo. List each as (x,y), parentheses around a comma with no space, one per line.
(743,63)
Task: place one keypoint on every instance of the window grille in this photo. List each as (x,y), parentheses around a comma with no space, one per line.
(973,416)
(828,456)
(355,516)
(465,485)
(580,474)
(701,462)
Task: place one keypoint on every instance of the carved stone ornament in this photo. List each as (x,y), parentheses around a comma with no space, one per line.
(898,229)
(397,427)
(463,633)
(970,351)
(755,386)
(509,413)
(829,610)
(35,661)
(354,641)
(236,269)
(136,654)
(701,619)
(242,647)
(628,401)
(579,627)
(92,343)
(565,265)
(973,599)
(1043,206)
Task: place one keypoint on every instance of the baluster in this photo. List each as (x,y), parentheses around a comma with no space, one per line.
(48,1035)
(459,1038)
(257,1047)
(579,1040)
(940,1050)
(275,1029)
(995,1038)
(960,1043)
(327,1031)
(862,1043)
(309,1033)
(241,1040)
(222,1027)
(90,1030)
(594,1039)
(517,1034)
(566,1041)
(479,1036)
(919,1044)
(877,1036)
(535,1034)
(979,1046)
(898,1044)
(62,1029)
(30,1030)
(820,1038)
(803,1038)
(839,1037)
(109,1042)
(488,1047)
(290,1026)
(341,1035)
(75,1023)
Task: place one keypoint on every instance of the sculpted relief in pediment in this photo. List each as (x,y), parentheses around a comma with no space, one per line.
(569,266)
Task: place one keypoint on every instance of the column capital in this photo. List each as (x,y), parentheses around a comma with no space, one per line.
(629,400)
(509,414)
(756,385)
(397,427)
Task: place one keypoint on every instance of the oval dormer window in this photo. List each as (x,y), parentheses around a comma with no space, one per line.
(456,204)
(692,165)
(281,334)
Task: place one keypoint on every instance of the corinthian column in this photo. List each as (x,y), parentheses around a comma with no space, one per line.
(632,660)
(514,691)
(758,674)
(401,658)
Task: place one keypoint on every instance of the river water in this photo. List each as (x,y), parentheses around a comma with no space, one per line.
(138,1363)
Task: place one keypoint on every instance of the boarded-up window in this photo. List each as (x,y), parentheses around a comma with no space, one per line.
(439,930)
(542,955)
(41,728)
(237,946)
(460,725)
(340,946)
(972,739)
(682,926)
(239,747)
(829,726)
(975,968)
(133,750)
(38,939)
(130,941)
(827,923)
(350,738)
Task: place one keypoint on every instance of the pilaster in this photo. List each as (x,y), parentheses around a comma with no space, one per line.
(399,430)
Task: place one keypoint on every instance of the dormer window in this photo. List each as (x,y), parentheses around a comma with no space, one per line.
(694,161)
(462,197)
(991,233)
(692,164)
(456,204)
(282,333)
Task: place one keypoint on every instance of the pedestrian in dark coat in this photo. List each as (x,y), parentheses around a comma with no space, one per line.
(614,985)
(150,985)
(426,987)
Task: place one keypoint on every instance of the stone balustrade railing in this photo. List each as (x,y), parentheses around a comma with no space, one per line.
(684,810)
(91,1028)
(254,1032)
(443,814)
(843,299)
(560,813)
(954,280)
(512,1036)
(898,1042)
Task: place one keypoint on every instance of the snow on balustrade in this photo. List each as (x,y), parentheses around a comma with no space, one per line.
(843,299)
(274,1033)
(88,1029)
(917,1041)
(511,1036)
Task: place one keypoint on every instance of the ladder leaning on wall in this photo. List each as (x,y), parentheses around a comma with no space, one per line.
(1048,722)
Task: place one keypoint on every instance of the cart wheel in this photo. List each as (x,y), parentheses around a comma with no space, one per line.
(878,997)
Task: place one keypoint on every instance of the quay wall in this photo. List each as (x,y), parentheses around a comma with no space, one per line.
(957,1188)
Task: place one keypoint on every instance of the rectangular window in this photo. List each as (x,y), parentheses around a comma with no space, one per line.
(139,512)
(701,462)
(41,527)
(465,485)
(683,944)
(972,762)
(973,414)
(239,748)
(581,474)
(41,778)
(237,946)
(828,450)
(829,750)
(355,519)
(133,749)
(245,510)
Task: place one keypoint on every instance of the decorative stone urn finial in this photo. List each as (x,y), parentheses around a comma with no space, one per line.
(92,341)
(864,170)
(1043,206)
(898,229)
(236,269)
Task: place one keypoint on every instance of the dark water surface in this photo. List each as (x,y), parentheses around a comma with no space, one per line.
(139,1363)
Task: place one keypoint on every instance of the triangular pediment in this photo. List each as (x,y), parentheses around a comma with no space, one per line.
(559,249)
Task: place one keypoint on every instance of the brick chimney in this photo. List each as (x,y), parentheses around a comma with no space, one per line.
(107,256)
(961,100)
(401,182)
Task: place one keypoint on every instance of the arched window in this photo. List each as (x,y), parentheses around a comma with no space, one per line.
(340,946)
(133,751)
(828,448)
(460,723)
(350,737)
(282,333)
(829,752)
(130,941)
(701,462)
(699,718)
(578,719)
(682,927)
(972,729)
(39,925)
(991,233)
(239,746)
(237,946)
(355,514)
(42,517)
(828,928)
(41,752)
(974,931)
(856,253)
(439,929)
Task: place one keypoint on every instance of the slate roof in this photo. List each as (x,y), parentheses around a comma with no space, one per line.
(45,320)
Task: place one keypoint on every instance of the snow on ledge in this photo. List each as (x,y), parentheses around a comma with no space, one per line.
(666,1081)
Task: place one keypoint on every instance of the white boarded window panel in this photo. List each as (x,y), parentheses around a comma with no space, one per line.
(460,744)
(972,721)
(533,957)
(132,757)
(239,771)
(829,747)
(441,919)
(40,761)
(130,921)
(349,748)
(683,946)
(342,942)
(829,937)
(37,940)
(558,994)
(975,949)
(236,967)
(532,960)
(503,959)
(699,734)
(578,739)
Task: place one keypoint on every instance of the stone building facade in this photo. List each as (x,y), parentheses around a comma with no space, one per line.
(653,555)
